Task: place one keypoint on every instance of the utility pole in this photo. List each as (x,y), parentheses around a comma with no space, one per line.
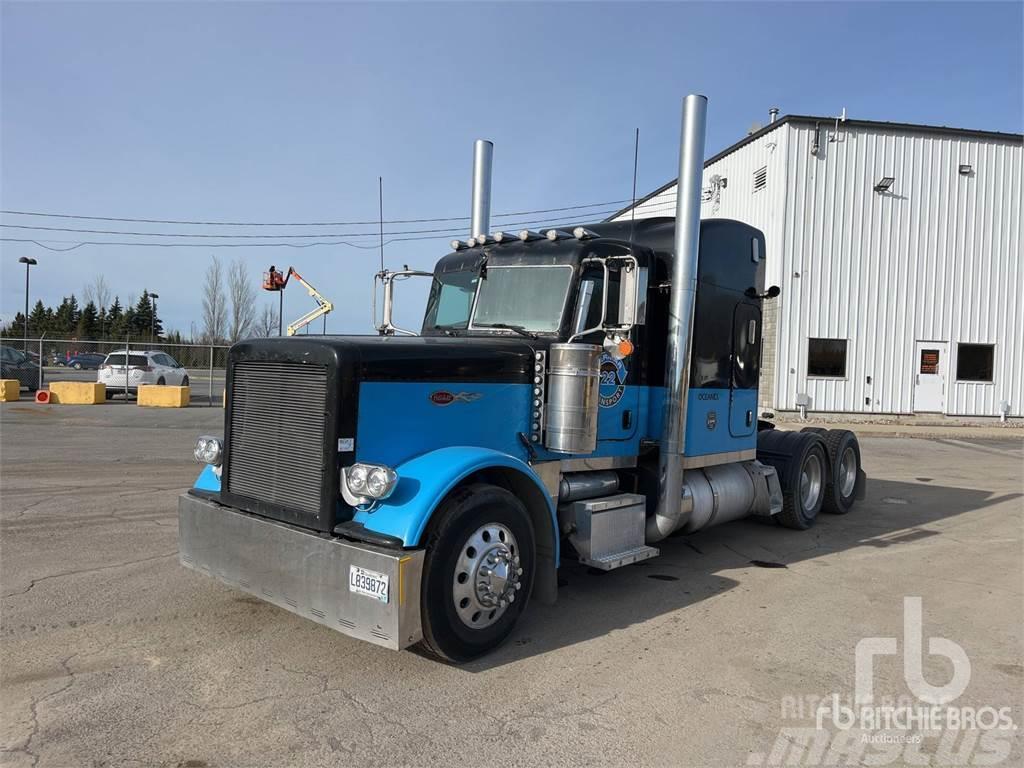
(28,264)
(152,316)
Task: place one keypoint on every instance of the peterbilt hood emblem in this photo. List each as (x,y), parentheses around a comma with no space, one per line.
(443,397)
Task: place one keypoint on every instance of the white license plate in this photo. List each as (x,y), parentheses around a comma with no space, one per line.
(369,583)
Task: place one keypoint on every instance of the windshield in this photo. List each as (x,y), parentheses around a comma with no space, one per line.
(531,298)
(451,297)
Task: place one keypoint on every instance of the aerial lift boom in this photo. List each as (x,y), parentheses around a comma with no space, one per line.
(277,281)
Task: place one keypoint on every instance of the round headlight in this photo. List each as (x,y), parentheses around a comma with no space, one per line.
(208,450)
(378,482)
(356,478)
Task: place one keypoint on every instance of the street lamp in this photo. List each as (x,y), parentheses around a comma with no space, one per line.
(28,264)
(152,317)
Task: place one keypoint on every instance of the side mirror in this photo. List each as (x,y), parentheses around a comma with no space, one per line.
(774,291)
(632,295)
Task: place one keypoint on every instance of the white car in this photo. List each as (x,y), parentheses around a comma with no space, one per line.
(143,368)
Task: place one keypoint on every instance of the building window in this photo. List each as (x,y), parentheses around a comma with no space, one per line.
(975,362)
(760,178)
(826,358)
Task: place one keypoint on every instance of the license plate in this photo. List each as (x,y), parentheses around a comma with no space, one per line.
(369,583)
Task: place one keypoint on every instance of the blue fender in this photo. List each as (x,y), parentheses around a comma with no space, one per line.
(207,480)
(425,480)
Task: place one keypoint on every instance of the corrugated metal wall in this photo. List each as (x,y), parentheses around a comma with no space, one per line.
(936,258)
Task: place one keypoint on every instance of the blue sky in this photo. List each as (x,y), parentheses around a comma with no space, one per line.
(289,112)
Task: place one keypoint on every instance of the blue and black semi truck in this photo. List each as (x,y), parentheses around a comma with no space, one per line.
(572,395)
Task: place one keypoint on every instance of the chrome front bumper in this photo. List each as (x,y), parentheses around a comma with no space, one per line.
(303,572)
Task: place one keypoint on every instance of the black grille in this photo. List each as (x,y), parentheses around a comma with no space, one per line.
(276,434)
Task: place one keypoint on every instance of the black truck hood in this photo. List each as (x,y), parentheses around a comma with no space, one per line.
(405,358)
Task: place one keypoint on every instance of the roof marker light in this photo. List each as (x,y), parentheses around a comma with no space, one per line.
(528,234)
(557,234)
(582,233)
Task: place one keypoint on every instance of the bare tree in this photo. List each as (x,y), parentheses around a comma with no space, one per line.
(214,305)
(267,322)
(98,292)
(243,301)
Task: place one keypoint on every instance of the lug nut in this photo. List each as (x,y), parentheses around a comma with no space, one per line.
(518,585)
(512,597)
(519,572)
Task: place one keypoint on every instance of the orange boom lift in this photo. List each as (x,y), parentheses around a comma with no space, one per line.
(277,281)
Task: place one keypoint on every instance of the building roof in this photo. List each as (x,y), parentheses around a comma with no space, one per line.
(871,124)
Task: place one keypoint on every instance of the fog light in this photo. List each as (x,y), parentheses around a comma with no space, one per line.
(209,450)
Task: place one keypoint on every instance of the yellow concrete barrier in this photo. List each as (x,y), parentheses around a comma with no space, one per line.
(77,392)
(159,396)
(10,390)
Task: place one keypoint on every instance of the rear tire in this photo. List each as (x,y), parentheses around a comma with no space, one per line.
(844,456)
(474,542)
(804,470)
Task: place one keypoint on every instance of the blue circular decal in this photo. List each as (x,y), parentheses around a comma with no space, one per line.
(613,380)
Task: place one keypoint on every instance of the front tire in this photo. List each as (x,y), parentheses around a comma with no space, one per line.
(184,381)
(478,572)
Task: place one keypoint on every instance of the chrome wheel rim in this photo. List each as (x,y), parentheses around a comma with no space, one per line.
(487,576)
(848,472)
(810,482)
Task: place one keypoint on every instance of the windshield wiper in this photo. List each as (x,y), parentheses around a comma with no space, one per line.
(506,326)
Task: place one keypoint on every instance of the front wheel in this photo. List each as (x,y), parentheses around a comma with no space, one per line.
(478,572)
(184,381)
(77,366)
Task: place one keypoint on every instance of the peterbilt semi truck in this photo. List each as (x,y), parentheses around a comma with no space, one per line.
(573,395)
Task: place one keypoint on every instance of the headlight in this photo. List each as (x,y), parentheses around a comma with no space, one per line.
(209,450)
(367,482)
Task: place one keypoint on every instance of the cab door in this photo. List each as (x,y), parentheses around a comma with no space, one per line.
(746,359)
(619,397)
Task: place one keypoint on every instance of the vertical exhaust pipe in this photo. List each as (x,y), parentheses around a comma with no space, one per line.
(669,512)
(480,220)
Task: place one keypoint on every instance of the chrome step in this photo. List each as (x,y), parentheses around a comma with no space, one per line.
(608,532)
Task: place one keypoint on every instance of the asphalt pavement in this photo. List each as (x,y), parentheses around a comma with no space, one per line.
(115,655)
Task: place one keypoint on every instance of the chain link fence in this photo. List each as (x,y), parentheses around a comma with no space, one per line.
(74,360)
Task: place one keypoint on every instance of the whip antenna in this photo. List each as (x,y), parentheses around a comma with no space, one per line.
(380,198)
(632,207)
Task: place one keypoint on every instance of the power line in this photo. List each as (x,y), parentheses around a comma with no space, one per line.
(302,223)
(278,236)
(74,244)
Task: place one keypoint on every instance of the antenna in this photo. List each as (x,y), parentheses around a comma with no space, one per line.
(380,197)
(632,207)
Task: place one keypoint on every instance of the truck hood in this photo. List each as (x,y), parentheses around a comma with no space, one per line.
(405,358)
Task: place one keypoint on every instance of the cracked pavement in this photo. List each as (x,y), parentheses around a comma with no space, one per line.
(114,655)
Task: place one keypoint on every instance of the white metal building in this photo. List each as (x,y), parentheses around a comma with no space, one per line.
(898,251)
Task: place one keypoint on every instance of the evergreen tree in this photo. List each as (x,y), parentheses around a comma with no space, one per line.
(16,329)
(66,317)
(115,320)
(145,322)
(87,322)
(39,320)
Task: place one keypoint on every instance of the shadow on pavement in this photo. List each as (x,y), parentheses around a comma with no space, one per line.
(593,603)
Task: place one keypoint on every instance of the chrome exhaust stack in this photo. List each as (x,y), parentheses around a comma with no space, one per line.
(480,216)
(669,513)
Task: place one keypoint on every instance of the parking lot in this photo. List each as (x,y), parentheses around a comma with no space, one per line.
(116,655)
